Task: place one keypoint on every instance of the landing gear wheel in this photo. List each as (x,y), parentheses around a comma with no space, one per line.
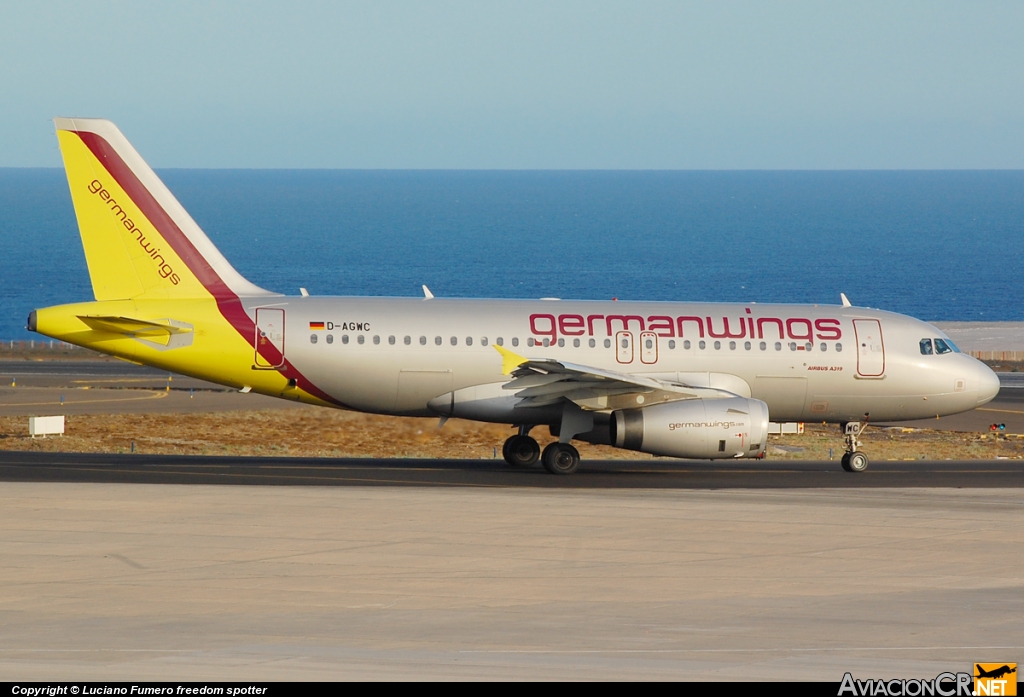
(521,451)
(561,458)
(855,461)
(846,462)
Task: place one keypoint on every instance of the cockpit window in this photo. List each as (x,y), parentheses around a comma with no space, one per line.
(941,346)
(926,347)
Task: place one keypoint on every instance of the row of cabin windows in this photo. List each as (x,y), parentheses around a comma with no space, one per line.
(648,343)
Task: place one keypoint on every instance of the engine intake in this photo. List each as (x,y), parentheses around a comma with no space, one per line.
(699,429)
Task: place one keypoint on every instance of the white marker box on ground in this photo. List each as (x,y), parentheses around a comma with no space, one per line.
(778,429)
(45,425)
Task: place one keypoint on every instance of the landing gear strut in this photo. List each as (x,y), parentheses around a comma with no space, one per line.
(853,459)
(521,450)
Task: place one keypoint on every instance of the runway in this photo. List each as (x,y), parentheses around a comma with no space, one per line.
(617,474)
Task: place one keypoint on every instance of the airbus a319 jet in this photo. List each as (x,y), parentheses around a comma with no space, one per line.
(686,380)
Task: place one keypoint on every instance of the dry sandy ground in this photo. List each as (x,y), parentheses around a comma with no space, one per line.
(327,433)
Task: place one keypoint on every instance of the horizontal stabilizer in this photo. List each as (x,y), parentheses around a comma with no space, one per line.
(165,332)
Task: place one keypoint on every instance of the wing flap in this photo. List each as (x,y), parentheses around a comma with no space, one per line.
(542,381)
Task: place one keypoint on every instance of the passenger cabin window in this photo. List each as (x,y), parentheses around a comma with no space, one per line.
(607,343)
(671,343)
(376,339)
(763,346)
(575,343)
(824,346)
(746,345)
(718,345)
(330,338)
(926,347)
(407,340)
(391,340)
(437,341)
(499,341)
(423,341)
(529,342)
(778,345)
(592,343)
(687,344)
(361,339)
(312,338)
(455,341)
(344,338)
(483,341)
(702,344)
(839,347)
(515,341)
(469,341)
(561,343)
(942,347)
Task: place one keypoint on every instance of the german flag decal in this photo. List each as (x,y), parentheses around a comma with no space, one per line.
(316,325)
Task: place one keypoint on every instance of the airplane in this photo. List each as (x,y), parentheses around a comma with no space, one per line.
(995,673)
(684,380)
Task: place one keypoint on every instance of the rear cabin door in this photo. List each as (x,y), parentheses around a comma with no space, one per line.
(870,348)
(624,347)
(648,347)
(269,337)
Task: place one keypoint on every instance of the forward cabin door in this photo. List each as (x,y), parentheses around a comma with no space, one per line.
(870,348)
(624,347)
(269,337)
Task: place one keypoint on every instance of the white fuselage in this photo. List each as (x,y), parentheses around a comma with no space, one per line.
(815,363)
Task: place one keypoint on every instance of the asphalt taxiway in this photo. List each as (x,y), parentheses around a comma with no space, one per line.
(612,474)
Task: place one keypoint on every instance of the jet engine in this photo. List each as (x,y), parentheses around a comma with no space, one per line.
(699,429)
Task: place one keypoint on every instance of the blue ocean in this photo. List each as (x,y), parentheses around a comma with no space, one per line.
(944,245)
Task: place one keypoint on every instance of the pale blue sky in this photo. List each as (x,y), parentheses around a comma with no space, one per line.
(593,84)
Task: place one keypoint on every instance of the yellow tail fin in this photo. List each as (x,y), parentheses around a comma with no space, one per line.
(139,241)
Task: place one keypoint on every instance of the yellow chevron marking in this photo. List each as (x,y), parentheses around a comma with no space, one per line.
(509,360)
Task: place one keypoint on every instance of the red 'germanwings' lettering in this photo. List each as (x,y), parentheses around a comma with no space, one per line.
(795,328)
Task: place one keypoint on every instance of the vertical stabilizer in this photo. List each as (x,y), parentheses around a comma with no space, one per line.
(139,241)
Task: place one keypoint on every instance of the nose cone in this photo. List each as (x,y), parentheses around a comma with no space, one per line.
(988,384)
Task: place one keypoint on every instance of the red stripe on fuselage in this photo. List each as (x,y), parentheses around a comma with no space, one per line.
(228,302)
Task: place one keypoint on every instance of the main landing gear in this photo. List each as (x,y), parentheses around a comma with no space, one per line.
(522,451)
(853,459)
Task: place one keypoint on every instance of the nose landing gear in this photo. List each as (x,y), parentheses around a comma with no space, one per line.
(854,460)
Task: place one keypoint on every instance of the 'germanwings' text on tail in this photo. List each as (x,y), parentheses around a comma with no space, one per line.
(655,377)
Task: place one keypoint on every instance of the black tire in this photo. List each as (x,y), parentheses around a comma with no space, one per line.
(521,451)
(857,461)
(846,462)
(561,458)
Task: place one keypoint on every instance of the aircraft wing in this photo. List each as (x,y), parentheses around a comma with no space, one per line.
(543,381)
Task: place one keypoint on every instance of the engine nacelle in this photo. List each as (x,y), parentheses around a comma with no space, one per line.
(699,429)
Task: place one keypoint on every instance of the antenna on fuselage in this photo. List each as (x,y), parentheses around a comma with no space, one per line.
(305,293)
(427,295)
(846,300)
